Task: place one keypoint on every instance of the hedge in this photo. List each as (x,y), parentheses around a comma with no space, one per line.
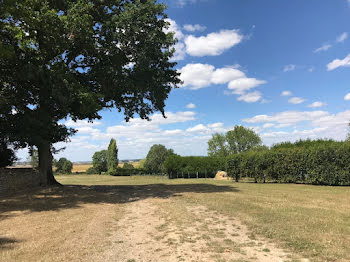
(193,167)
(321,164)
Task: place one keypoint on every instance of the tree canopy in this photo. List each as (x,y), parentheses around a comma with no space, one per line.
(70,58)
(156,157)
(99,161)
(235,141)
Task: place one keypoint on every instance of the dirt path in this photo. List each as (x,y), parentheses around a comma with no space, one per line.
(163,230)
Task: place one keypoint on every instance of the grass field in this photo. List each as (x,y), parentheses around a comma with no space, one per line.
(81,168)
(104,218)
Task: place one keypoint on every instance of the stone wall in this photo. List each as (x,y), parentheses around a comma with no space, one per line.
(12,179)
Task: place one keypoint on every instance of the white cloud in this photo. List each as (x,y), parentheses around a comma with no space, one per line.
(325,47)
(342,37)
(288,117)
(311,69)
(347,96)
(338,63)
(317,104)
(306,124)
(196,75)
(241,85)
(250,97)
(173,27)
(180,52)
(193,28)
(226,74)
(296,100)
(268,125)
(286,93)
(182,3)
(212,44)
(289,68)
(191,106)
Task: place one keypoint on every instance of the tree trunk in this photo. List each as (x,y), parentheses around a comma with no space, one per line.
(45,165)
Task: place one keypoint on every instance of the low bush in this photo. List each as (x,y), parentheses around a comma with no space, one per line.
(126,171)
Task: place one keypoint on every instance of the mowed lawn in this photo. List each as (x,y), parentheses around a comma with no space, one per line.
(79,222)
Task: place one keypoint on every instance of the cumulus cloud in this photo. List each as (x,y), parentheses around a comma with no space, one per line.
(286,93)
(347,97)
(288,117)
(325,47)
(306,124)
(317,104)
(289,68)
(296,100)
(193,28)
(191,106)
(196,76)
(342,37)
(180,52)
(212,44)
(134,138)
(241,85)
(339,63)
(251,97)
(226,74)
(174,28)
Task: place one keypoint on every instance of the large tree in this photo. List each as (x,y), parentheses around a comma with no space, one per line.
(69,58)
(235,141)
(156,157)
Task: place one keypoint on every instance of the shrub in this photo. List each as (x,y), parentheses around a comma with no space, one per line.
(91,171)
(128,166)
(63,165)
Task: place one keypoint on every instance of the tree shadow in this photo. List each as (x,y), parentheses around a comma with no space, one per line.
(73,196)
(7,243)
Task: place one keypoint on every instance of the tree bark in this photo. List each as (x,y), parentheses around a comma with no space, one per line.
(45,165)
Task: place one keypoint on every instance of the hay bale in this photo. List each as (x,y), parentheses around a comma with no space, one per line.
(221,175)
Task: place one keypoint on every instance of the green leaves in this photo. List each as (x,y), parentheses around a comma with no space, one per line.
(62,59)
(238,140)
(311,162)
(156,157)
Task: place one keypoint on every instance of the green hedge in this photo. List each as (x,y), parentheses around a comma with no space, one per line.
(126,171)
(192,167)
(321,164)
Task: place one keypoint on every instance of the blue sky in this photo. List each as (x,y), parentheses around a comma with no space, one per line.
(279,67)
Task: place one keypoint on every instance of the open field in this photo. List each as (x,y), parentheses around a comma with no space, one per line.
(80,168)
(104,218)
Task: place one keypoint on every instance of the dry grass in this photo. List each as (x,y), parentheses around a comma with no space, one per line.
(74,223)
(80,168)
